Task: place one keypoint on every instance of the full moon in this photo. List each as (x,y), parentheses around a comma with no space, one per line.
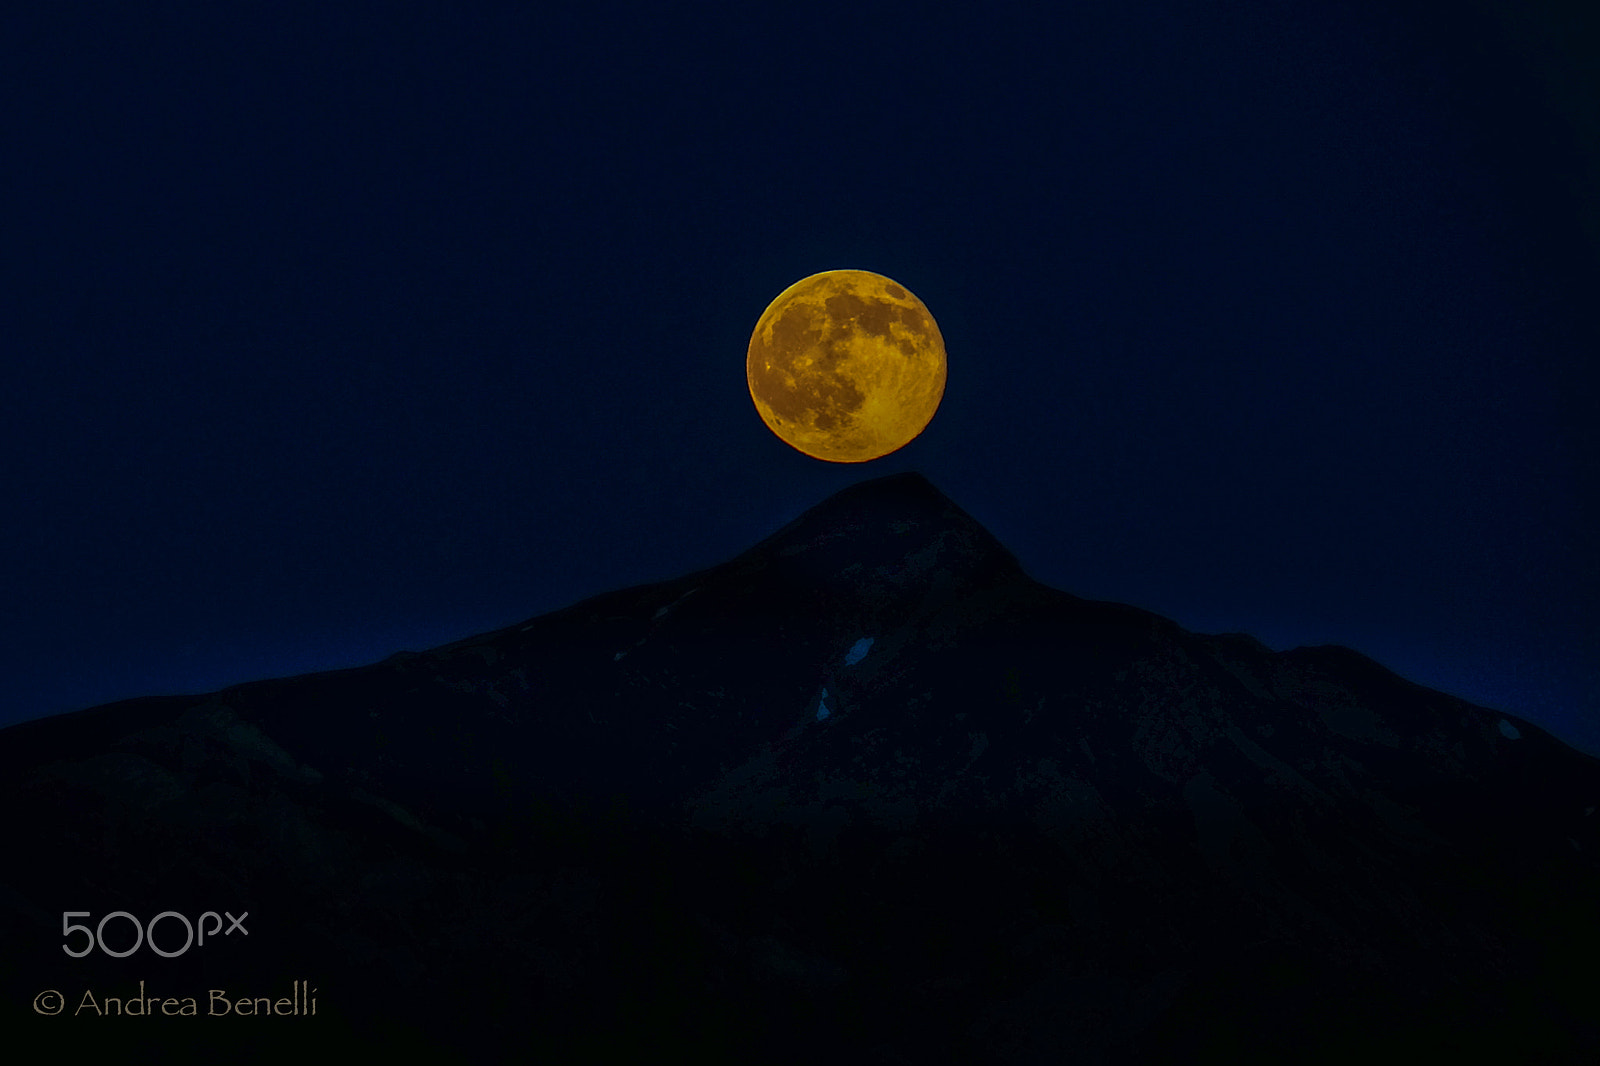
(846,366)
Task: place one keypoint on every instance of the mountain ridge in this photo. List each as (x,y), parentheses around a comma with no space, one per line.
(866,787)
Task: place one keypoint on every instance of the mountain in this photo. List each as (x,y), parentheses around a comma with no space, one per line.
(865,791)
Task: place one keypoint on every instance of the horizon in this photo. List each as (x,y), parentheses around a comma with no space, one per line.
(1593,750)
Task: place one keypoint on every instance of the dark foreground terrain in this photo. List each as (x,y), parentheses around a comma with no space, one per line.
(866,791)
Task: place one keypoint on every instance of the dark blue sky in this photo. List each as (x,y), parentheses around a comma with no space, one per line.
(333,330)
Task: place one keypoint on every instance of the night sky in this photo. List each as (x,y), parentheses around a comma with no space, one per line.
(331,330)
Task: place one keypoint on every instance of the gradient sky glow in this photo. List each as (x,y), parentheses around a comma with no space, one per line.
(334,330)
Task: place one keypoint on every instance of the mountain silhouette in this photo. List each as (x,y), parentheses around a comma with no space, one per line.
(865,791)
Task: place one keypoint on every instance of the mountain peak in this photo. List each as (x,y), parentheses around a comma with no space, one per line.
(900,525)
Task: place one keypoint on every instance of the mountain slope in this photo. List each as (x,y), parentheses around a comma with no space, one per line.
(865,789)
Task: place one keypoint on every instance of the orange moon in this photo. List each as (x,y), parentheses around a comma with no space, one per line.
(846,366)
